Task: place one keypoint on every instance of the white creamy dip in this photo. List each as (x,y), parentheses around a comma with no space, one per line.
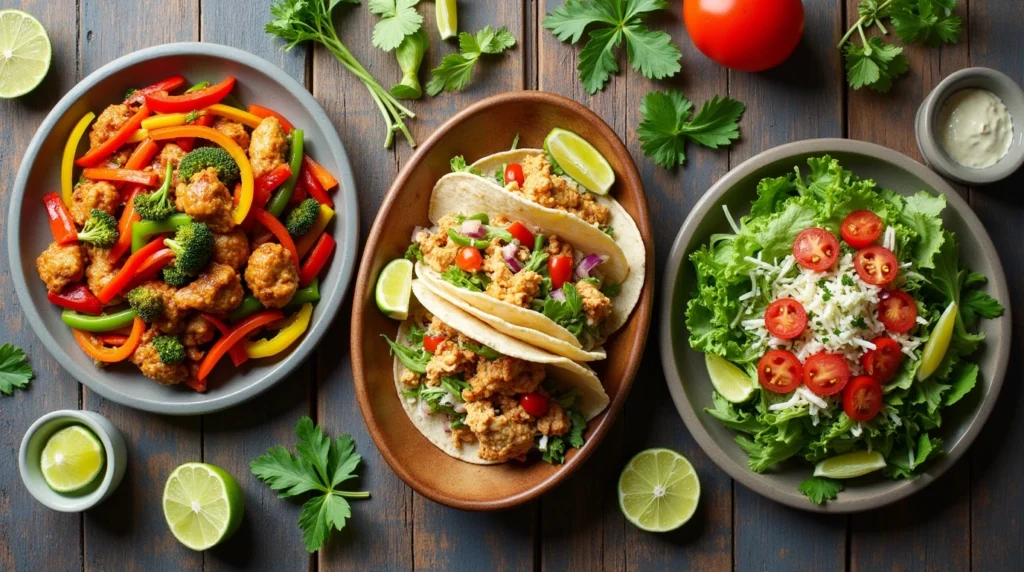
(974,128)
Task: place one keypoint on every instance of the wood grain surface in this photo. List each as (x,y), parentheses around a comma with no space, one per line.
(969,519)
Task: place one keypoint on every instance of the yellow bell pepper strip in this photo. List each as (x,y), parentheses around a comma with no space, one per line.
(242,116)
(226,143)
(67,164)
(139,136)
(97,351)
(294,327)
(166,120)
(306,241)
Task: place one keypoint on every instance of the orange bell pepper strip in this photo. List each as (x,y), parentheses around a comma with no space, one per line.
(327,180)
(124,227)
(97,351)
(61,225)
(264,112)
(112,339)
(142,154)
(128,272)
(147,178)
(233,337)
(280,233)
(313,186)
(186,102)
(94,156)
(237,352)
(189,143)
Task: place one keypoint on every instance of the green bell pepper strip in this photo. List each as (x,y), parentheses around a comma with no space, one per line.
(250,305)
(482,217)
(279,201)
(466,241)
(101,323)
(144,229)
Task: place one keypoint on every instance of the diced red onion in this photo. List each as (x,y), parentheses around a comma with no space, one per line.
(558,295)
(459,407)
(415,233)
(588,263)
(508,252)
(472,228)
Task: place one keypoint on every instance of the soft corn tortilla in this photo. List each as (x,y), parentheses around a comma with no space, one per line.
(564,372)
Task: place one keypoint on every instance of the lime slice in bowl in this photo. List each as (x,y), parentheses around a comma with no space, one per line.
(447,18)
(850,465)
(202,504)
(24,53)
(937,344)
(394,289)
(729,381)
(658,490)
(579,160)
(72,459)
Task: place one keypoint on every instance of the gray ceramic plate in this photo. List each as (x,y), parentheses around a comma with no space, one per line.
(684,368)
(28,233)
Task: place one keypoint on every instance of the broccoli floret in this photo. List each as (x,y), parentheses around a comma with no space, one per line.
(170,349)
(100,229)
(203,157)
(156,205)
(146,302)
(192,245)
(302,217)
(175,277)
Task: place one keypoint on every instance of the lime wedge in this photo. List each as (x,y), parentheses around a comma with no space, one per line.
(447,18)
(202,504)
(730,382)
(937,344)
(580,160)
(850,465)
(71,459)
(658,490)
(24,53)
(394,289)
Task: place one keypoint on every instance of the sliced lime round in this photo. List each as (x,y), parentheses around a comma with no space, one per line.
(202,504)
(658,490)
(394,289)
(937,344)
(447,18)
(730,382)
(850,465)
(580,160)
(72,459)
(24,53)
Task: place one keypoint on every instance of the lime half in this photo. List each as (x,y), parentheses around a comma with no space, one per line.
(937,344)
(447,18)
(24,53)
(202,504)
(72,458)
(850,465)
(580,160)
(730,382)
(394,289)
(658,490)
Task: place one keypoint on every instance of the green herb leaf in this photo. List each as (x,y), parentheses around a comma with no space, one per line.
(414,359)
(925,21)
(456,70)
(399,19)
(666,125)
(820,489)
(483,351)
(15,371)
(475,282)
(874,65)
(414,252)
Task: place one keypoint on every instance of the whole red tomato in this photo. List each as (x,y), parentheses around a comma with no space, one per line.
(745,35)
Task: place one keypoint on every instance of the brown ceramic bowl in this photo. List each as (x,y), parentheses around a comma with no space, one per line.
(482,129)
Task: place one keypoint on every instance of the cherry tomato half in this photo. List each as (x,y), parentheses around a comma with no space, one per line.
(897,311)
(876,265)
(560,270)
(535,404)
(862,398)
(746,35)
(469,259)
(519,232)
(826,373)
(816,249)
(430,343)
(861,228)
(514,172)
(779,371)
(785,318)
(884,361)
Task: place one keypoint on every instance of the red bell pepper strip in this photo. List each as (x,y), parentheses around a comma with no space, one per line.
(237,351)
(327,180)
(233,337)
(150,267)
(147,178)
(299,194)
(279,232)
(124,227)
(197,384)
(317,259)
(128,272)
(190,101)
(260,111)
(111,339)
(170,84)
(94,156)
(269,182)
(313,186)
(189,143)
(78,298)
(98,352)
(63,228)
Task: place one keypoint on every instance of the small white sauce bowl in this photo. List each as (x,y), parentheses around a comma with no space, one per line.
(31,451)
(926,126)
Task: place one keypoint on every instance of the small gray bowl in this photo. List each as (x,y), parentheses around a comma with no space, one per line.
(925,127)
(28,234)
(32,448)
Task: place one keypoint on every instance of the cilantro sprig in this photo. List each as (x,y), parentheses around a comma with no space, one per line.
(666,125)
(456,70)
(398,19)
(15,371)
(820,489)
(319,466)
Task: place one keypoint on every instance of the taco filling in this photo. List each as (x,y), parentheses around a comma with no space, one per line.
(543,186)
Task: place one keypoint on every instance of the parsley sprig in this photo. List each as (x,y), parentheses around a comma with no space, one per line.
(820,489)
(666,125)
(398,19)
(456,70)
(15,371)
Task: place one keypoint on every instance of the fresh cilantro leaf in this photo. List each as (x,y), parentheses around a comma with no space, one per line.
(859,323)
(569,314)
(191,116)
(559,445)
(318,465)
(847,281)
(820,489)
(414,359)
(475,282)
(415,335)
(925,21)
(456,70)
(874,65)
(15,371)
(398,19)
(414,252)
(666,125)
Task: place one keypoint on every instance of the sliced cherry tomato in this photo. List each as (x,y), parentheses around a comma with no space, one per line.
(785,318)
(861,228)
(826,373)
(876,265)
(897,311)
(534,403)
(779,371)
(430,343)
(514,172)
(884,361)
(519,231)
(469,259)
(816,249)
(746,35)
(862,398)
(560,270)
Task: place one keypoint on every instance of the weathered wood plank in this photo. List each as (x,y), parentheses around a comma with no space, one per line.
(33,537)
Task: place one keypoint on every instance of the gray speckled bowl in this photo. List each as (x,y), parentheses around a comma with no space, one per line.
(925,127)
(28,233)
(684,368)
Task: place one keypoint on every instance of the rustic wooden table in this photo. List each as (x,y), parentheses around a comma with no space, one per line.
(969,519)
